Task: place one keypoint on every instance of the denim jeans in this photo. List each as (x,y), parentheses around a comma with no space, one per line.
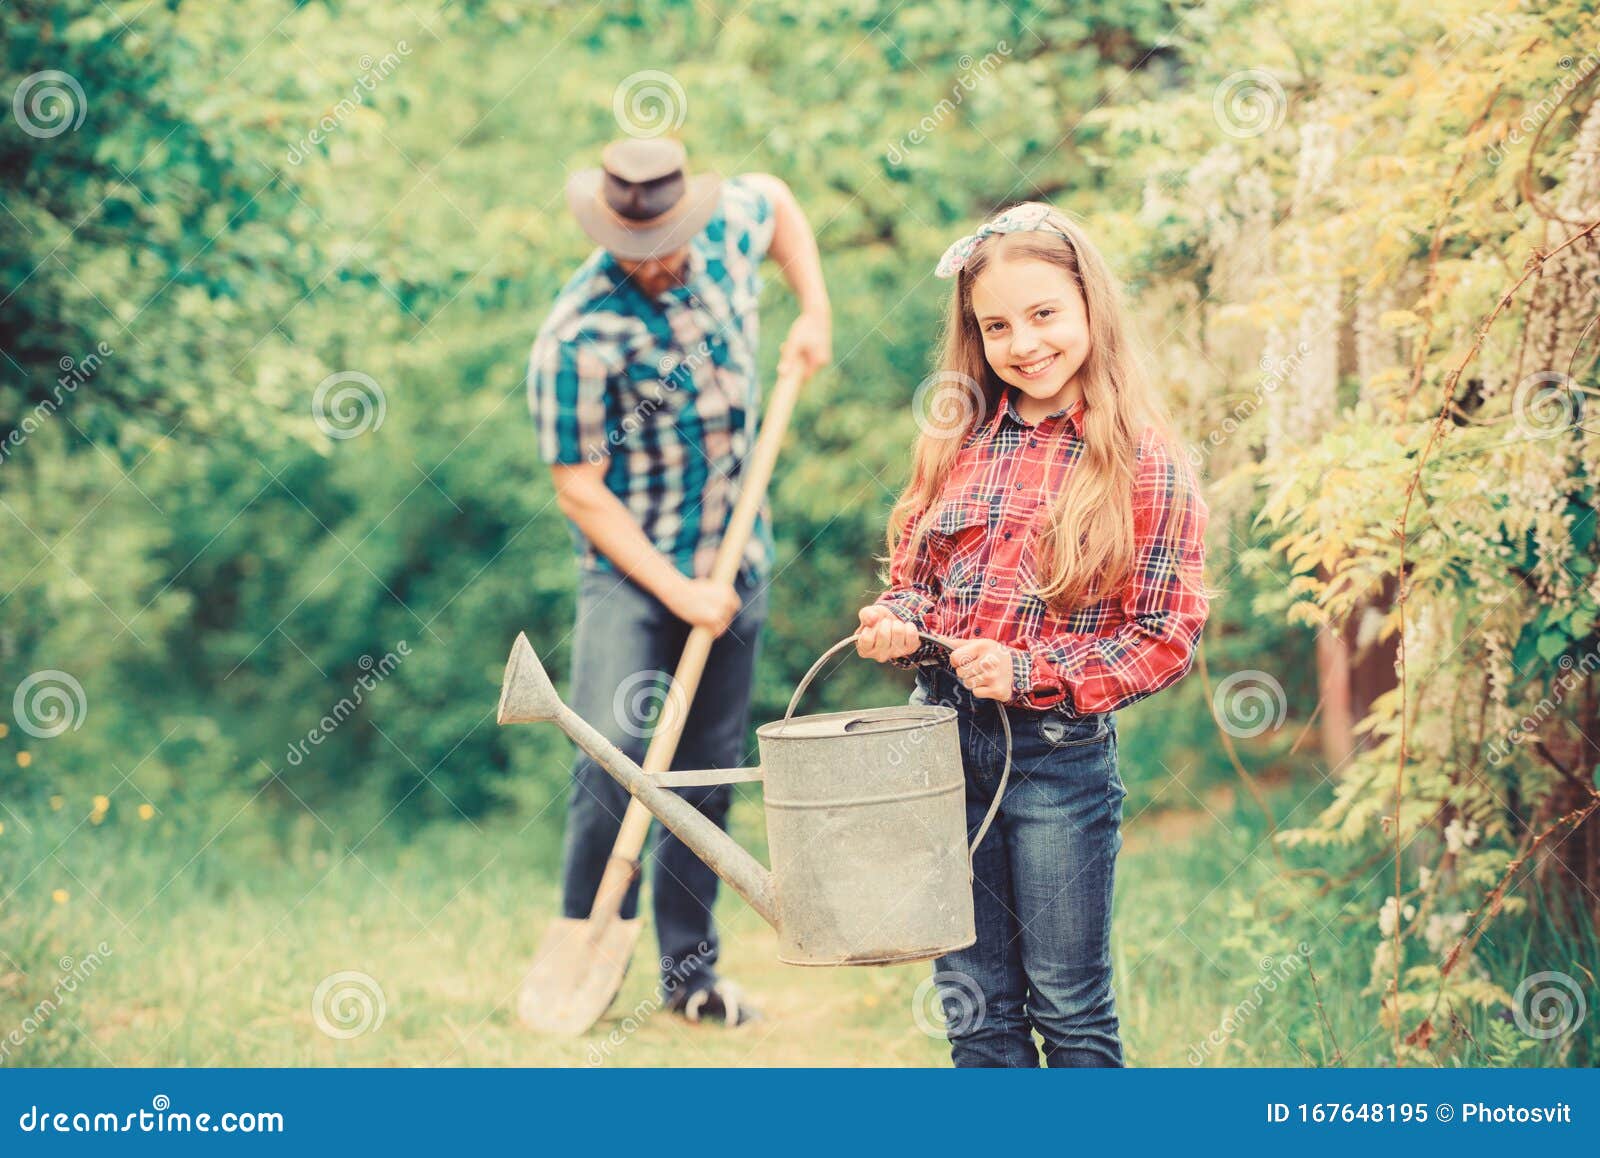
(623,635)
(1042,887)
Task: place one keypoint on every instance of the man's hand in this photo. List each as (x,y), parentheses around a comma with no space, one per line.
(703,603)
(884,635)
(984,668)
(809,346)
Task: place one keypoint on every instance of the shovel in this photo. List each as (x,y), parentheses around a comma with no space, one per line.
(578,968)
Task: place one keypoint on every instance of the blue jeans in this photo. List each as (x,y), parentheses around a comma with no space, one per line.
(1042,887)
(623,634)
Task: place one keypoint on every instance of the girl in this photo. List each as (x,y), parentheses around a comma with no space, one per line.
(1055,531)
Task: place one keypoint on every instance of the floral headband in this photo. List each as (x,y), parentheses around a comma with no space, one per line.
(1026,218)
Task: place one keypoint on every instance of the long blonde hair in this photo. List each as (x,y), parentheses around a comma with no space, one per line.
(1086,552)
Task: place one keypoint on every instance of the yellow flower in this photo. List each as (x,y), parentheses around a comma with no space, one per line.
(56,802)
(2,828)
(97,817)
(24,759)
(146,811)
(5,730)
(101,803)
(59,896)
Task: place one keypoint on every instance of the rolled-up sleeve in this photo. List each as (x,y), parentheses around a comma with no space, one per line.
(751,219)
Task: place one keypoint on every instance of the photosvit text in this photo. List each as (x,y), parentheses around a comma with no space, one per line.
(1475,1113)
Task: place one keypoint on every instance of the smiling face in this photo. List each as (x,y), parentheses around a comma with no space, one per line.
(1035,330)
(656,274)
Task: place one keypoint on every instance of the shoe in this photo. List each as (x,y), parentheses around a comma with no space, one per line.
(721,1001)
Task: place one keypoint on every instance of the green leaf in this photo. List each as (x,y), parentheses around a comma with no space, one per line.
(1553,644)
(1522,656)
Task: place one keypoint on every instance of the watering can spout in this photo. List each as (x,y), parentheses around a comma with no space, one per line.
(527,696)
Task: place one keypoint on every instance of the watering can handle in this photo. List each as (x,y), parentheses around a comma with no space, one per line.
(1005,726)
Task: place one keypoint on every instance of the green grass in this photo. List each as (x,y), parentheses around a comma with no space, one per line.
(219,934)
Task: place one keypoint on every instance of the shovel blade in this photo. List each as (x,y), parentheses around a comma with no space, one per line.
(577,973)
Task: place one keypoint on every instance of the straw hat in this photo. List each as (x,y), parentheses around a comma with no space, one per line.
(643,202)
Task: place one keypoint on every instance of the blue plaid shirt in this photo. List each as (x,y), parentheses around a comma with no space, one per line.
(663,390)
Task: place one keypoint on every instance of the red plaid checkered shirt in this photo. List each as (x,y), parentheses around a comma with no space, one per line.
(970,577)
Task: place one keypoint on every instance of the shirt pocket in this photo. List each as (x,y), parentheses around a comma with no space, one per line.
(963,527)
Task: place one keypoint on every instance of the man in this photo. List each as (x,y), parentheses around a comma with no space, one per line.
(643,384)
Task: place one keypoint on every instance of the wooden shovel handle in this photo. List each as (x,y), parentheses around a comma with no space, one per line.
(624,862)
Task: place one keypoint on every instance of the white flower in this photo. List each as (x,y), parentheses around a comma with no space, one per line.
(1386,915)
(1382,963)
(1458,836)
(1444,930)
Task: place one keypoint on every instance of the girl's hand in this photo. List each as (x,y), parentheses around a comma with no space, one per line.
(884,635)
(984,668)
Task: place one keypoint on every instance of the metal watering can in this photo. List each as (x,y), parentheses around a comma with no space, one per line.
(866,820)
